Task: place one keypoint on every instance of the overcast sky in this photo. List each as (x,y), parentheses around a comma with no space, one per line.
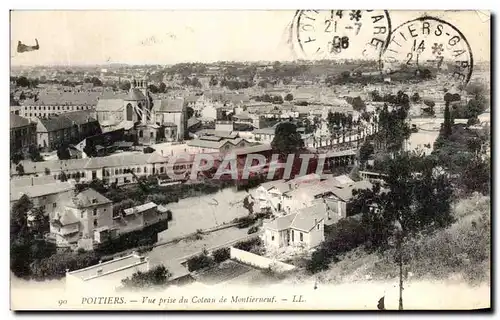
(167,37)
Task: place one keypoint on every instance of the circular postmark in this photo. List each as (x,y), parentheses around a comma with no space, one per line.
(341,34)
(431,46)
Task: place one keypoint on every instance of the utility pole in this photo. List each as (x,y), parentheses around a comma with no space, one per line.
(399,234)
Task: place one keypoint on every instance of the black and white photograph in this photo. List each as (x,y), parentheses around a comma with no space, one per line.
(250,160)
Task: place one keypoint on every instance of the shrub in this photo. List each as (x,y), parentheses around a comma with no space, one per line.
(253,229)
(248,245)
(221,254)
(54,267)
(199,262)
(169,215)
(157,276)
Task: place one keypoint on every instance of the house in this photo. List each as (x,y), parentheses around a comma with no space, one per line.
(86,215)
(106,274)
(46,196)
(270,194)
(139,217)
(71,127)
(303,228)
(222,142)
(22,133)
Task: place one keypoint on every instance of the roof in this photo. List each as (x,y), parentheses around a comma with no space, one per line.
(269,130)
(135,94)
(281,223)
(40,190)
(140,209)
(91,163)
(109,105)
(108,267)
(252,149)
(88,198)
(67,218)
(169,105)
(65,98)
(125,160)
(18,121)
(65,120)
(281,185)
(344,193)
(307,218)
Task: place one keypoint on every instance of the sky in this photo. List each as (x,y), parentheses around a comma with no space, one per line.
(168,37)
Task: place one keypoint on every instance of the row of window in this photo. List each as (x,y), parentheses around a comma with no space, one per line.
(69,108)
(109,172)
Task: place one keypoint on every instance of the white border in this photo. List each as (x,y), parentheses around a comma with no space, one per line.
(184,5)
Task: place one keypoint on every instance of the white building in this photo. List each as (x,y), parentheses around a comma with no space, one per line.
(106,275)
(304,228)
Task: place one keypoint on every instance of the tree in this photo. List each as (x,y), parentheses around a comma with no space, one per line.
(22,81)
(125,86)
(358,104)
(189,112)
(417,196)
(366,151)
(286,139)
(447,121)
(34,154)
(63,153)
(213,81)
(155,277)
(162,88)
(415,98)
(153,89)
(63,177)
(289,97)
(20,169)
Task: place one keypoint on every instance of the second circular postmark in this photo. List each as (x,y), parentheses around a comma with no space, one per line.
(433,47)
(341,34)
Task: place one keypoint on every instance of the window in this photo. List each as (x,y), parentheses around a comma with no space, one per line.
(81,215)
(272,238)
(162,169)
(54,205)
(138,170)
(318,226)
(151,134)
(140,134)
(104,209)
(94,211)
(95,223)
(293,236)
(145,170)
(301,237)
(116,171)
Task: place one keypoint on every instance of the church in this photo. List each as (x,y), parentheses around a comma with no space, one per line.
(152,120)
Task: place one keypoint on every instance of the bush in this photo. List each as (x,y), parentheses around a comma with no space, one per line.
(54,267)
(248,245)
(142,280)
(144,237)
(253,229)
(346,235)
(169,215)
(199,262)
(221,254)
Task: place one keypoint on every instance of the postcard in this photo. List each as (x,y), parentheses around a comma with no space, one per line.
(250,160)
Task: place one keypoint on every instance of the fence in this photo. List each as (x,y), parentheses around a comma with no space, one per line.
(259,261)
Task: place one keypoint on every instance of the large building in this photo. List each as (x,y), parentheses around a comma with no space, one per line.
(154,120)
(53,103)
(22,133)
(71,127)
